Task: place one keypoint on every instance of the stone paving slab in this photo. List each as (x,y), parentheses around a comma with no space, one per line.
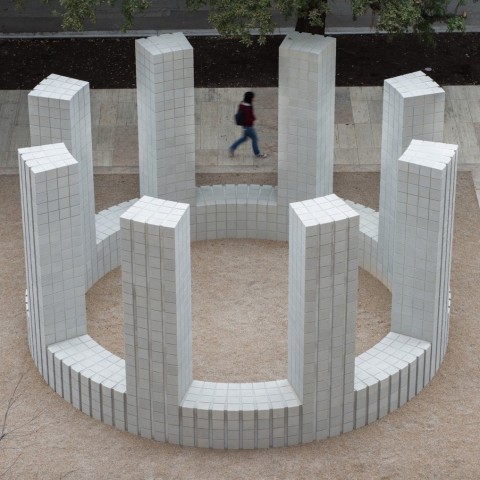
(358,117)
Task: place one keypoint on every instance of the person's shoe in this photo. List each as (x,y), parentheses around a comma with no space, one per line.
(230,153)
(262,155)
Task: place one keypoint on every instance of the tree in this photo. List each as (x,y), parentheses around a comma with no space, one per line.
(419,16)
(237,18)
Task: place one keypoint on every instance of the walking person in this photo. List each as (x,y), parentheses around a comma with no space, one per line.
(246,111)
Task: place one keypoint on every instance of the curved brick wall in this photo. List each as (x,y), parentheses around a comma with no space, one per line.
(152,393)
(216,415)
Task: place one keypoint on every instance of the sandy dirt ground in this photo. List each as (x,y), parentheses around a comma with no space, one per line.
(240,321)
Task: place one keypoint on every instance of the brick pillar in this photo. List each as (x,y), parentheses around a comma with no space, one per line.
(166,118)
(413,107)
(423,245)
(59,111)
(306,109)
(158,315)
(322,303)
(53,241)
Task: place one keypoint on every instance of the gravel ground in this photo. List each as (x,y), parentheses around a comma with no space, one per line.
(433,436)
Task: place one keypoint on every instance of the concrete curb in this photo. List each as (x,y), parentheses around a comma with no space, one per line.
(198,32)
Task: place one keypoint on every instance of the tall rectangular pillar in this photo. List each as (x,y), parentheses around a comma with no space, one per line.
(53,241)
(166,123)
(423,244)
(59,111)
(306,109)
(322,307)
(158,315)
(413,108)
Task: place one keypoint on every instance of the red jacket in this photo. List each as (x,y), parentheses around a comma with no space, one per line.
(248,115)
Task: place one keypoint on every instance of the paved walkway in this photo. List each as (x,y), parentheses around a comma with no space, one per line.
(358,118)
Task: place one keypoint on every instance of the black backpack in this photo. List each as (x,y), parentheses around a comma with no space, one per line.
(240,117)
